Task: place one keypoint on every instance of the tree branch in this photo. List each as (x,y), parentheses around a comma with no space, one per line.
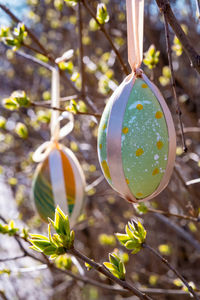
(102,28)
(178,109)
(166,213)
(157,254)
(12,258)
(31,34)
(82,66)
(63,109)
(98,267)
(193,56)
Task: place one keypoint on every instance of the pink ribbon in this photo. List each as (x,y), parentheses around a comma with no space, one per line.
(135,25)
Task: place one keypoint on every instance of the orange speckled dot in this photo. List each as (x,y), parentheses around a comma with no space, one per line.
(139,194)
(104,126)
(100,146)
(155,171)
(158,115)
(139,152)
(127,181)
(159,145)
(139,106)
(125,130)
(106,169)
(144,86)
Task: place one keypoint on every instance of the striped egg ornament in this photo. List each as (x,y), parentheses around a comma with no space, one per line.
(136,140)
(59,180)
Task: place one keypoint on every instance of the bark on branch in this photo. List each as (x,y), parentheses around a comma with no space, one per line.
(193,56)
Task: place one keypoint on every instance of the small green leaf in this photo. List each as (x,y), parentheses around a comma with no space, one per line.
(123,238)
(41,244)
(110,266)
(21,130)
(10,104)
(50,250)
(131,245)
(129,232)
(39,237)
(114,259)
(2,122)
(102,13)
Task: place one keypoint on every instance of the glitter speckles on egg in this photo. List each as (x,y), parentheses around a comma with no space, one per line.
(144,149)
(143,137)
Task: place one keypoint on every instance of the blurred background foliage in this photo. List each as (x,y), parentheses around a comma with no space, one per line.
(24,127)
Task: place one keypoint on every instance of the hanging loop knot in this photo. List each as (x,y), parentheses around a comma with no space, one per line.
(138,72)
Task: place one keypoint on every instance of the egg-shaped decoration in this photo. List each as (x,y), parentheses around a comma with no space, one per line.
(59,180)
(137,140)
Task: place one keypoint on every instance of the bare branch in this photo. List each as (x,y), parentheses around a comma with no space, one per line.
(63,109)
(98,267)
(12,258)
(31,34)
(102,28)
(193,56)
(157,254)
(178,109)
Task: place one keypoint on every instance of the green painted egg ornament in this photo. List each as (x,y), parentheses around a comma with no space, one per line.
(59,180)
(137,140)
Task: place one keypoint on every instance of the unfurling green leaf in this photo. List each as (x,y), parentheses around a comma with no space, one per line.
(56,244)
(102,13)
(71,2)
(21,130)
(141,208)
(151,57)
(116,266)
(134,238)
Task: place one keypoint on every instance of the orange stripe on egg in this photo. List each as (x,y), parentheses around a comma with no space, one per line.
(70,186)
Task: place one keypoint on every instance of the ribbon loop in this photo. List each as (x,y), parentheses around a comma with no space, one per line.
(135,28)
(57,133)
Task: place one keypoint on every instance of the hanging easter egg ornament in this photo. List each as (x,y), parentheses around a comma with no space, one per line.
(136,138)
(58,179)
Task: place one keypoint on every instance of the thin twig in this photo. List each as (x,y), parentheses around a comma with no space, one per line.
(179,231)
(166,213)
(12,258)
(31,34)
(157,254)
(178,109)
(193,56)
(102,28)
(50,56)
(34,59)
(62,99)
(82,66)
(98,267)
(63,109)
(198,8)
